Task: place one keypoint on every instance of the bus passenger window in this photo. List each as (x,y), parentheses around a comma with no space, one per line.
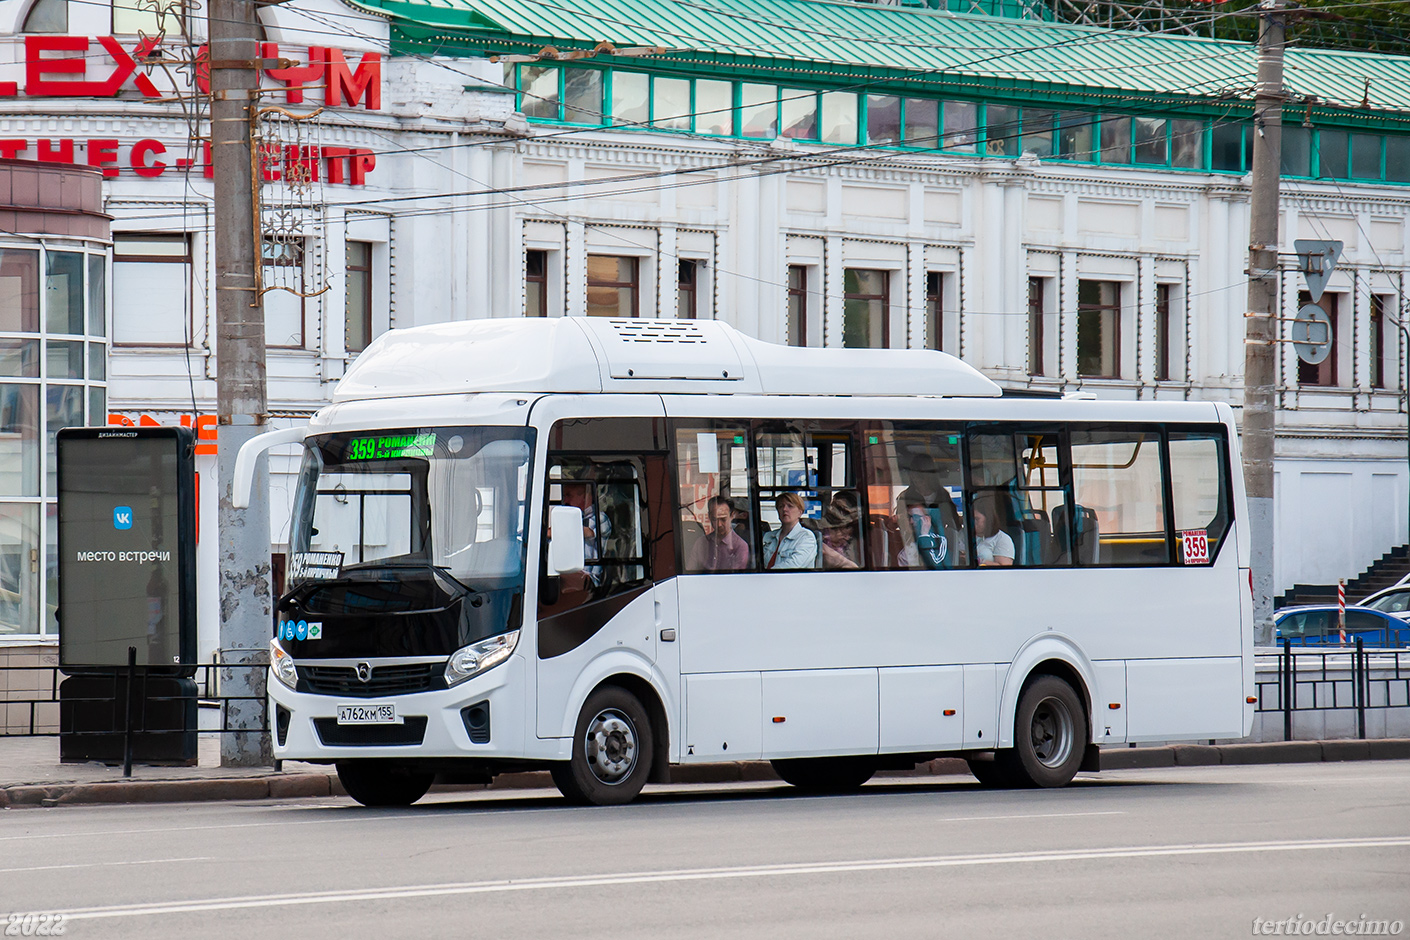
(915,490)
(1120,499)
(810,511)
(716,531)
(1019,495)
(1200,488)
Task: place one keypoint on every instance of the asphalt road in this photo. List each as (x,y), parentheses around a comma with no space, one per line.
(1175,852)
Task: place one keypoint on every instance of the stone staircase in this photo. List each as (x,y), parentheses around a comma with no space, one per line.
(1392,566)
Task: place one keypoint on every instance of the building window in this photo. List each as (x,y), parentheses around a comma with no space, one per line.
(151,290)
(1162,332)
(686,280)
(866,309)
(1099,329)
(535,283)
(758,111)
(613,286)
(714,107)
(1323,374)
(839,117)
(1379,303)
(538,86)
(283,286)
(1036,365)
(883,119)
(357,329)
(797,305)
(131,17)
(53,373)
(961,126)
(582,96)
(934,310)
(47,16)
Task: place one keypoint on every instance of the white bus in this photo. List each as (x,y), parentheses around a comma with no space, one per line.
(835,560)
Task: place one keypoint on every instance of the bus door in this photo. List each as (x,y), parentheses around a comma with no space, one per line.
(613,469)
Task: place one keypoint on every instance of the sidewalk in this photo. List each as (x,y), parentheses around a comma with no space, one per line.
(31,775)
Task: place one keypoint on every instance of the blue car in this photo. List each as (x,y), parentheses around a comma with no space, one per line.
(1317,626)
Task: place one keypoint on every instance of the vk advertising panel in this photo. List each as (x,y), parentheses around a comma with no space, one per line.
(127,546)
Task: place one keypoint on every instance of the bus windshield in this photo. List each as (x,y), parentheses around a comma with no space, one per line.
(451,500)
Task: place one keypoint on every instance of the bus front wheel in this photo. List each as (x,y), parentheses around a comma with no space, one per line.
(382,783)
(825,774)
(1049,735)
(612,748)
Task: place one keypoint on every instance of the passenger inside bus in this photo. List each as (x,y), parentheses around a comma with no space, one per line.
(992,545)
(924,543)
(840,543)
(791,545)
(721,549)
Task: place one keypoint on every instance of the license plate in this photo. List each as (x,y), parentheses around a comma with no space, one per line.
(368,714)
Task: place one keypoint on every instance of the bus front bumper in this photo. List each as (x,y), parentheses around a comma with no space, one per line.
(433,724)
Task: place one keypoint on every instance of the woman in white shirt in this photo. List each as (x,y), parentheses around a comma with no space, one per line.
(790,545)
(992,545)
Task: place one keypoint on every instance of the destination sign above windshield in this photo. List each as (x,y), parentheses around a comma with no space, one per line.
(391,447)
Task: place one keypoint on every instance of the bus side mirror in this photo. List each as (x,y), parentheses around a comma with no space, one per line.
(565,550)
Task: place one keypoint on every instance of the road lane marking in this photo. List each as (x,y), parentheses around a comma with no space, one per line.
(1103,812)
(573,882)
(144,861)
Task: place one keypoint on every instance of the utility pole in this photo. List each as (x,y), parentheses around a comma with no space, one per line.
(246,613)
(1264,305)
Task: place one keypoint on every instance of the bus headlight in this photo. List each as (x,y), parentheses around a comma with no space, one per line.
(477,657)
(282,665)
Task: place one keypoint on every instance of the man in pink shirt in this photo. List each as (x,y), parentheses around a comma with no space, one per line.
(722,549)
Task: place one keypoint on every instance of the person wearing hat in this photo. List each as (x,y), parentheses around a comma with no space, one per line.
(840,547)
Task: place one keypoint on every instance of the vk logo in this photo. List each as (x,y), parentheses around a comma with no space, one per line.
(122,517)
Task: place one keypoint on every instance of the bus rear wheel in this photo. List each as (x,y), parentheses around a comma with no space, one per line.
(825,774)
(1049,735)
(382,783)
(612,748)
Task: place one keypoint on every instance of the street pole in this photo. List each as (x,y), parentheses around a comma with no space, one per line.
(1263,306)
(246,614)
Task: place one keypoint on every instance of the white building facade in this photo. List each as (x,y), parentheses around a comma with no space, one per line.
(1061,229)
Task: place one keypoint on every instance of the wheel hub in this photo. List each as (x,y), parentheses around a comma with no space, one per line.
(611,746)
(1053,732)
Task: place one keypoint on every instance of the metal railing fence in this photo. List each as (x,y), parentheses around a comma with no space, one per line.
(139,712)
(1350,678)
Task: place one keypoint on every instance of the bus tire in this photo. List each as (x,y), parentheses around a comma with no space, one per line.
(1049,734)
(825,774)
(612,748)
(382,783)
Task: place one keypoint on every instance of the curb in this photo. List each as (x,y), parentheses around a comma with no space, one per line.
(1272,752)
(282,786)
